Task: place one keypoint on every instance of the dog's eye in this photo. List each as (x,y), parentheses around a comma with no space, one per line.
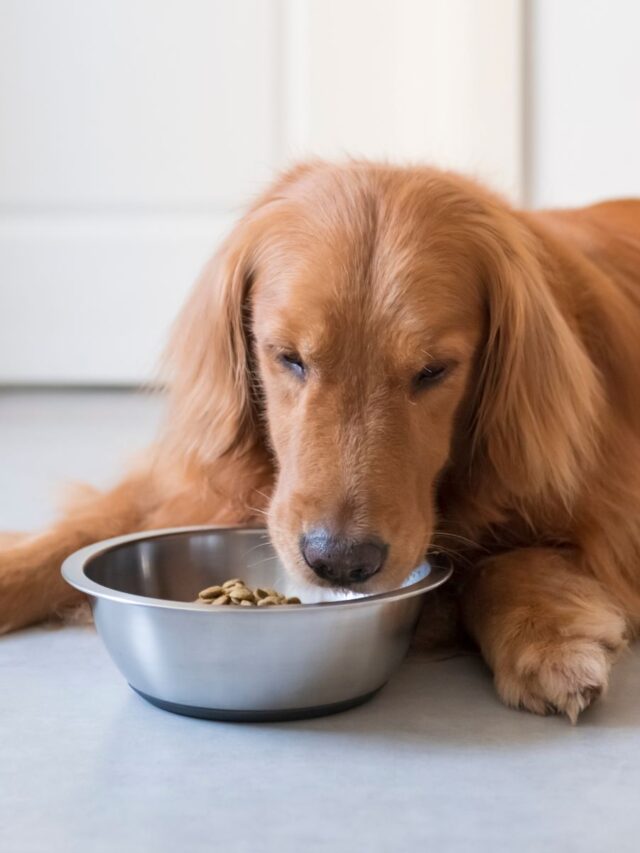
(294,363)
(430,374)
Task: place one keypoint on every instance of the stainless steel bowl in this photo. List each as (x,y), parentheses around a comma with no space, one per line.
(237,663)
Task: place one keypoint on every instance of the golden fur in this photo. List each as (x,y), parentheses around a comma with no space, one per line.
(523,461)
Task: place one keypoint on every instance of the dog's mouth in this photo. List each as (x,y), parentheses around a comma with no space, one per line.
(348,564)
(387,580)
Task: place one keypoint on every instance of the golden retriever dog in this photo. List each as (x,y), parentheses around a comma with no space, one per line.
(384,361)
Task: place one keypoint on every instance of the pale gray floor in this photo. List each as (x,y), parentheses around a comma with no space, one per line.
(433,763)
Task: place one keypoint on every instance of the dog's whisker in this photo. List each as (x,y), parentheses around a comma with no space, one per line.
(272,528)
(255,548)
(257,510)
(455,556)
(456,536)
(270,559)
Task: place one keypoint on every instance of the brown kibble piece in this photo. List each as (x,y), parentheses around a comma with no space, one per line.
(210,592)
(237,593)
(241,593)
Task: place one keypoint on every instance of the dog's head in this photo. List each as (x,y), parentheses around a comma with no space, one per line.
(366,324)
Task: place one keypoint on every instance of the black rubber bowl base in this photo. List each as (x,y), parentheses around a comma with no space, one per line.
(256,716)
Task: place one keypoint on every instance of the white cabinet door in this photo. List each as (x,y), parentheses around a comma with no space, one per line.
(132,130)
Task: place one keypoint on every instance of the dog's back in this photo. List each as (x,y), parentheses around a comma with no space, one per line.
(608,234)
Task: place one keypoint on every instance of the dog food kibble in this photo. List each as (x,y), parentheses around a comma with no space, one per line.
(235,591)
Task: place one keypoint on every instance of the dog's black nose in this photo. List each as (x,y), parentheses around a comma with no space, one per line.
(340,560)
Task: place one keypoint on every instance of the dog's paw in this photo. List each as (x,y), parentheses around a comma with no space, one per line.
(560,677)
(31,590)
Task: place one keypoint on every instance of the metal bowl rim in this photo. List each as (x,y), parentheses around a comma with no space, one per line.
(73,571)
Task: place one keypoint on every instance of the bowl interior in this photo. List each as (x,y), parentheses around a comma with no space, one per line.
(176,566)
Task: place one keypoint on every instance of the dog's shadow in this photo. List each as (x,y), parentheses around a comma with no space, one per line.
(453,701)
(431,717)
(430,704)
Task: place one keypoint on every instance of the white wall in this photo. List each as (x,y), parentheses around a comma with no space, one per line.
(428,80)
(134,131)
(584,119)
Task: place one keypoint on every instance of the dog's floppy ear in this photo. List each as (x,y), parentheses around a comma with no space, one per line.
(536,412)
(214,393)
(212,405)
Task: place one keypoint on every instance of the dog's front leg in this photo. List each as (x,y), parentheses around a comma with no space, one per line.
(31,587)
(549,632)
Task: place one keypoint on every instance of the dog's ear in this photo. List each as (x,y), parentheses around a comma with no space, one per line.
(212,397)
(538,395)
(214,392)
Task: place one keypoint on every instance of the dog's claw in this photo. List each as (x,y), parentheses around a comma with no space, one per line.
(566,680)
(579,702)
